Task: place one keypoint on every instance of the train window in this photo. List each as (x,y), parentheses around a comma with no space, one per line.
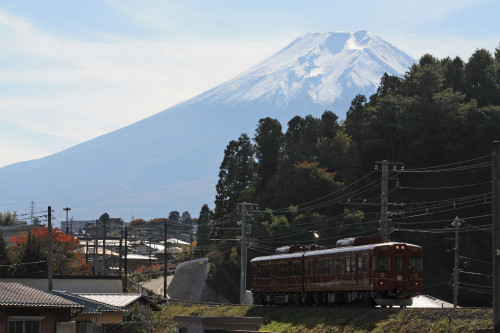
(363,264)
(332,267)
(342,265)
(337,266)
(322,267)
(415,264)
(400,264)
(382,264)
(297,269)
(327,267)
(283,270)
(348,265)
(309,267)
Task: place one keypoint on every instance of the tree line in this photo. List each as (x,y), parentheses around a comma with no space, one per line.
(440,112)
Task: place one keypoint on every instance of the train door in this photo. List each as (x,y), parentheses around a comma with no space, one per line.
(308,274)
(400,267)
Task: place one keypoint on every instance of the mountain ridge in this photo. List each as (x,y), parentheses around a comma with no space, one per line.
(170,161)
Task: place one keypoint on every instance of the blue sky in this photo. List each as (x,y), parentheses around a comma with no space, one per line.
(71,70)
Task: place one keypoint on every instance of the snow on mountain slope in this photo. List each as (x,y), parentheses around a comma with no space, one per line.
(170,161)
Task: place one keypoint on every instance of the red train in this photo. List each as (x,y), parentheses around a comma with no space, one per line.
(358,270)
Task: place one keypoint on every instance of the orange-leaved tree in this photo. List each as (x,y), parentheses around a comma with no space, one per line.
(30,252)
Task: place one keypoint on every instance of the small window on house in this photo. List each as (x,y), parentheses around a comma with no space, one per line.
(24,324)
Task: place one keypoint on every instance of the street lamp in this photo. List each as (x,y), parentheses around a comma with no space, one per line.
(67,209)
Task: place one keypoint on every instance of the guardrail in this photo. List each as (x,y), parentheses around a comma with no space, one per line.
(191,263)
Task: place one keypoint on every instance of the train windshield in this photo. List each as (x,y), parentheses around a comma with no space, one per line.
(415,264)
(381,264)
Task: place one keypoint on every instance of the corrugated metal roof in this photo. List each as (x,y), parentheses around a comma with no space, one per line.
(19,295)
(119,300)
(90,306)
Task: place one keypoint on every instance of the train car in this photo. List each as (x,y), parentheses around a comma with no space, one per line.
(385,274)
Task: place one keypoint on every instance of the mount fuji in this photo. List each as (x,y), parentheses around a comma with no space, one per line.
(170,160)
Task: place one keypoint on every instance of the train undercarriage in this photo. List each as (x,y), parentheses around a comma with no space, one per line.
(368,298)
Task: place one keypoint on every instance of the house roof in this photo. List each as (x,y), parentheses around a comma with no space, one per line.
(90,306)
(13,294)
(119,300)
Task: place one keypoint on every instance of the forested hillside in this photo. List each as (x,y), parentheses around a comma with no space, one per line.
(436,125)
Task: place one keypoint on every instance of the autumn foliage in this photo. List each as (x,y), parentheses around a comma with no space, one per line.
(30,253)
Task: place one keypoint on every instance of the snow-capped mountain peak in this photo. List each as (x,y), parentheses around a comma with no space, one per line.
(321,67)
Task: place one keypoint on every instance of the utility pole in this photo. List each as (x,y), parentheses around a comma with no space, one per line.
(165,261)
(96,247)
(104,246)
(120,249)
(32,212)
(384,201)
(67,209)
(125,266)
(456,224)
(191,241)
(496,235)
(49,251)
(384,197)
(244,206)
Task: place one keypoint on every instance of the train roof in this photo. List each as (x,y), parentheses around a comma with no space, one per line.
(327,251)
(279,256)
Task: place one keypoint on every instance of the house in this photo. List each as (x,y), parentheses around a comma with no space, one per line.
(27,309)
(70,283)
(94,314)
(135,261)
(195,324)
(17,229)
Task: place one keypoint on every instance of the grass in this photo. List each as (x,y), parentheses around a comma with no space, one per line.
(346,319)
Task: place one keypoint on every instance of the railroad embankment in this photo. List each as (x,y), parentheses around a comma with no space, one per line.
(348,319)
(189,284)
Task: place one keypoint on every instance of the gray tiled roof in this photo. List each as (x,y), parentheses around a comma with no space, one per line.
(15,294)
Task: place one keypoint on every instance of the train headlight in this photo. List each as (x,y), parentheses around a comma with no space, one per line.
(402,247)
(397,247)
(381,283)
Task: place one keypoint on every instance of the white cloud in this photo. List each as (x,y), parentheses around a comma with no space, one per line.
(79,90)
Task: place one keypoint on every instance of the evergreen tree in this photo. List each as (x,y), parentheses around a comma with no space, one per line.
(235,175)
(454,73)
(7,218)
(203,232)
(481,81)
(329,125)
(268,141)
(174,217)
(186,223)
